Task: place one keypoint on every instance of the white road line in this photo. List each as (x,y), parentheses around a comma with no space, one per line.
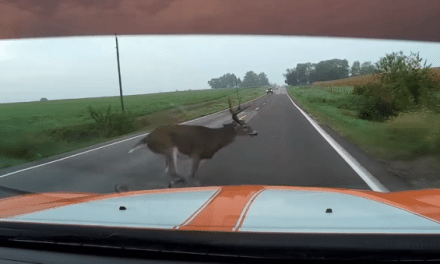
(71,156)
(111,144)
(369,179)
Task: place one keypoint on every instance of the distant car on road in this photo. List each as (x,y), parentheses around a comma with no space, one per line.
(269,90)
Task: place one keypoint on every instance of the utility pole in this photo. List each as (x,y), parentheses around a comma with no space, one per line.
(238,96)
(119,72)
(236,85)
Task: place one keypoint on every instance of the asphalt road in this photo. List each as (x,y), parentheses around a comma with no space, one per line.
(287,151)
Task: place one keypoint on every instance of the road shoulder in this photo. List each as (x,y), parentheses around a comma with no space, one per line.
(378,168)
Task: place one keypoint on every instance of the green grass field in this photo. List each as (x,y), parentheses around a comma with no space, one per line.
(407,136)
(36,130)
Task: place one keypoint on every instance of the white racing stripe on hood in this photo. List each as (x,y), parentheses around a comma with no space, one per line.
(305,212)
(157,210)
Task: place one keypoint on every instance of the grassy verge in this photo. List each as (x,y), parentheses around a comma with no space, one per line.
(367,79)
(406,136)
(407,145)
(35,130)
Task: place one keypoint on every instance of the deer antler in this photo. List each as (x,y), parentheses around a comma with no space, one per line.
(234,113)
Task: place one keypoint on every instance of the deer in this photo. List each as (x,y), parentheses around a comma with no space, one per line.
(197,142)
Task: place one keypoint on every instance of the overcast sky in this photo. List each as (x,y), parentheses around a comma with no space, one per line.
(78,67)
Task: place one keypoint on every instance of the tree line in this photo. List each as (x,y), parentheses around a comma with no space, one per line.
(251,79)
(307,73)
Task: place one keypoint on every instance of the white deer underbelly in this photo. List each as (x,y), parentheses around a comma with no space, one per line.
(183,163)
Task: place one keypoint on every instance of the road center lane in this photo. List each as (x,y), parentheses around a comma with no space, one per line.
(287,151)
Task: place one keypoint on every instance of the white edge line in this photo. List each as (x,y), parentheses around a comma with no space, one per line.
(114,143)
(187,221)
(71,156)
(369,179)
(246,208)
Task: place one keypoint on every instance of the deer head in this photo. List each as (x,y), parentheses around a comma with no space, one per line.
(241,128)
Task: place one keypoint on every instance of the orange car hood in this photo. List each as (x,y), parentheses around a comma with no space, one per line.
(246,208)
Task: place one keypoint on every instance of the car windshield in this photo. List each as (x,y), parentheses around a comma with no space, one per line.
(70,119)
(231,125)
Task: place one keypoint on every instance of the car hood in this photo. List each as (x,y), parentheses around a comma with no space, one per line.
(247,208)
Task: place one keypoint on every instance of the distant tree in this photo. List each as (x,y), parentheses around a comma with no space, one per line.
(226,81)
(301,75)
(344,68)
(367,68)
(307,73)
(355,69)
(262,79)
(238,82)
(250,80)
(312,73)
(214,83)
(304,71)
(291,77)
(331,70)
(44,99)
(229,80)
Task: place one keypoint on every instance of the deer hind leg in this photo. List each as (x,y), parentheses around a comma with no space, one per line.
(167,164)
(194,165)
(171,162)
(172,165)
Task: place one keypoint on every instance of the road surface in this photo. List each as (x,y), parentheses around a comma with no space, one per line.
(287,151)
